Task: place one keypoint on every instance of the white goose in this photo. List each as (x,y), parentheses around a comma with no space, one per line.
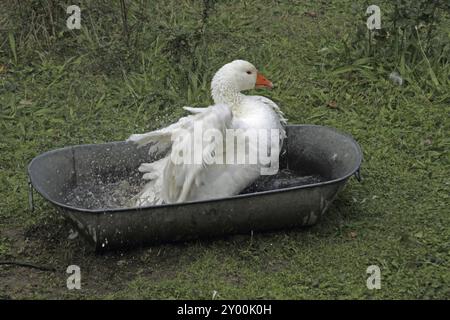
(172,182)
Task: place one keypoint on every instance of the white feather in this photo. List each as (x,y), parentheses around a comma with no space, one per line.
(171,182)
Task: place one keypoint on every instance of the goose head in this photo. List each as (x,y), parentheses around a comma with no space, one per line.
(235,77)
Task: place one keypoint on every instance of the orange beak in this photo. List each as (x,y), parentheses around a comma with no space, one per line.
(262,82)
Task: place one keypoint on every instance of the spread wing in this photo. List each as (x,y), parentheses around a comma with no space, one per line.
(188,159)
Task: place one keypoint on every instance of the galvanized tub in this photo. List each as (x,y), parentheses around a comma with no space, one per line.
(309,148)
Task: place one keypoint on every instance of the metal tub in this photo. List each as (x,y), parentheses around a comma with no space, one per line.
(309,148)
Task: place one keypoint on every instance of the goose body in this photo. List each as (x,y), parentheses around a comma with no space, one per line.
(213,175)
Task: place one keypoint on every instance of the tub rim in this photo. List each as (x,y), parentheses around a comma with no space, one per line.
(238,196)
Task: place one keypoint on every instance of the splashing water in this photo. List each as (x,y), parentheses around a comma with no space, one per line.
(107,191)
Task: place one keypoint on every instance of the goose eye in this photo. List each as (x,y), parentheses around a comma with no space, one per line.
(249,72)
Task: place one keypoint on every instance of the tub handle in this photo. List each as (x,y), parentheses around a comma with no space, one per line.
(358,175)
(30,196)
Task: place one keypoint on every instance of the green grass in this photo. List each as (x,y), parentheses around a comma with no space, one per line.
(60,87)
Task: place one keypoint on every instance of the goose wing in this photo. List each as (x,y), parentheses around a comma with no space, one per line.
(186,166)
